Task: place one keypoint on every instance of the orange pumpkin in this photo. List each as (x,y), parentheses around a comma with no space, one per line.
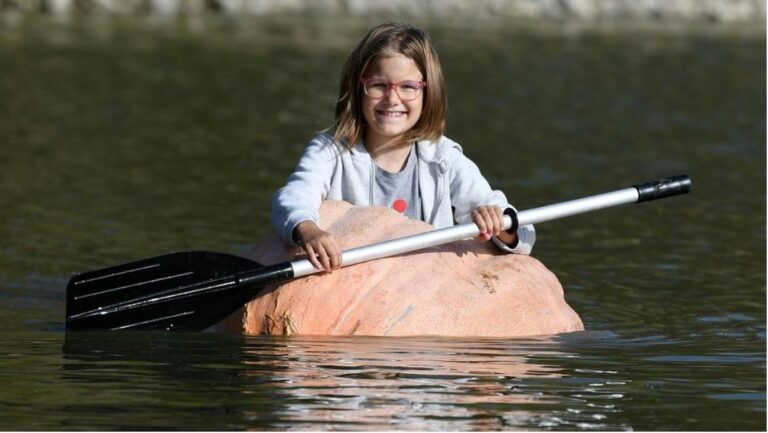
(466,288)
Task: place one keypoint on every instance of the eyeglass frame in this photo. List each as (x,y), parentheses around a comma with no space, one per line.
(392,85)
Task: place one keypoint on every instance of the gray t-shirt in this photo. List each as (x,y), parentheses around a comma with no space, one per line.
(399,191)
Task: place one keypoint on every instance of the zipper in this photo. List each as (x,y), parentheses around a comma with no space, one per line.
(441,169)
(370,184)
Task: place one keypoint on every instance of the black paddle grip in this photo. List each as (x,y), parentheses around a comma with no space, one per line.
(661,188)
(515,222)
(268,274)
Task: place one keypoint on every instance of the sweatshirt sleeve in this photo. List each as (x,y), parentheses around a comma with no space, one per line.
(526,237)
(469,189)
(299,200)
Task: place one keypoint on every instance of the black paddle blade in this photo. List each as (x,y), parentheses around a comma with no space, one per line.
(187,291)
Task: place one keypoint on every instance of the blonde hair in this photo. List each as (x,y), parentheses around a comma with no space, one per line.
(385,40)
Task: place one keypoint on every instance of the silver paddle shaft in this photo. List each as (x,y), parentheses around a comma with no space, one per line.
(464,231)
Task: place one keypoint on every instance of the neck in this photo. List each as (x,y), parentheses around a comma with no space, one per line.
(391,155)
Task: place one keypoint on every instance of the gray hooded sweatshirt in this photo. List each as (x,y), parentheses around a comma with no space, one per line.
(450,186)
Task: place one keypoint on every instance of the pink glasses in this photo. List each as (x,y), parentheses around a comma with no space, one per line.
(407,90)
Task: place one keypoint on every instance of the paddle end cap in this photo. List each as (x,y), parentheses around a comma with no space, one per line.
(661,188)
(513,218)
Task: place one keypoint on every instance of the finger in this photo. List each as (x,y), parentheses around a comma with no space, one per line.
(492,220)
(479,219)
(323,257)
(335,254)
(312,257)
(490,223)
(335,257)
(497,219)
(332,253)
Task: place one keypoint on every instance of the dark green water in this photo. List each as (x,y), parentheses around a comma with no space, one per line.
(122,141)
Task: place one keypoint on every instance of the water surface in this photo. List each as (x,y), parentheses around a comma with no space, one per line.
(125,140)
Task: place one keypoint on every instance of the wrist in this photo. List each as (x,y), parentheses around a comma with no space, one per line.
(301,229)
(509,239)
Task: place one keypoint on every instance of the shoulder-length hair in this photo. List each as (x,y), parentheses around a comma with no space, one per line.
(385,40)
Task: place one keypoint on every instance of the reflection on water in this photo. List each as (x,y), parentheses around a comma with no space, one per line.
(587,380)
(344,383)
(410,384)
(592,381)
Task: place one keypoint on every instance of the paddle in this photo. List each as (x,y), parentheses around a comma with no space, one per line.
(194,290)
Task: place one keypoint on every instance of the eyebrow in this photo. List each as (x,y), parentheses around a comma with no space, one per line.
(393,81)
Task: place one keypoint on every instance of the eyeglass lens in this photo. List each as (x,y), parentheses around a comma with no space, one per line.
(406,90)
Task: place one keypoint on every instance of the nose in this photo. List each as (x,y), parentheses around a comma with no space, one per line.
(392,94)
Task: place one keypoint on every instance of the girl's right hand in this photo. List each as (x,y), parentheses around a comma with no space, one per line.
(321,247)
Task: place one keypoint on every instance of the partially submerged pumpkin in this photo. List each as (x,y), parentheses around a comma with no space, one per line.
(465,288)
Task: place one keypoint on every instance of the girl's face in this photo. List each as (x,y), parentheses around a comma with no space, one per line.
(388,117)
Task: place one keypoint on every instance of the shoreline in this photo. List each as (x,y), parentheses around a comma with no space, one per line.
(711,12)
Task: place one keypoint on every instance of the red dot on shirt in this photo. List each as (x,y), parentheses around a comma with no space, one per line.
(400,205)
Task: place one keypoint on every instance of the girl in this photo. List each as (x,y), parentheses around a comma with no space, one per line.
(387,148)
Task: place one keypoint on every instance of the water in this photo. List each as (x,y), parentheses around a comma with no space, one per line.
(122,140)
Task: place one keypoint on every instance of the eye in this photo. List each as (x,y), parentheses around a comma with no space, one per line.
(377,84)
(410,85)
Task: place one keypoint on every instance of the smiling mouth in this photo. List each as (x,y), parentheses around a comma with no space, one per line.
(386,113)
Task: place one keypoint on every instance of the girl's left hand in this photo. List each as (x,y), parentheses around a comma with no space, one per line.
(489,220)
